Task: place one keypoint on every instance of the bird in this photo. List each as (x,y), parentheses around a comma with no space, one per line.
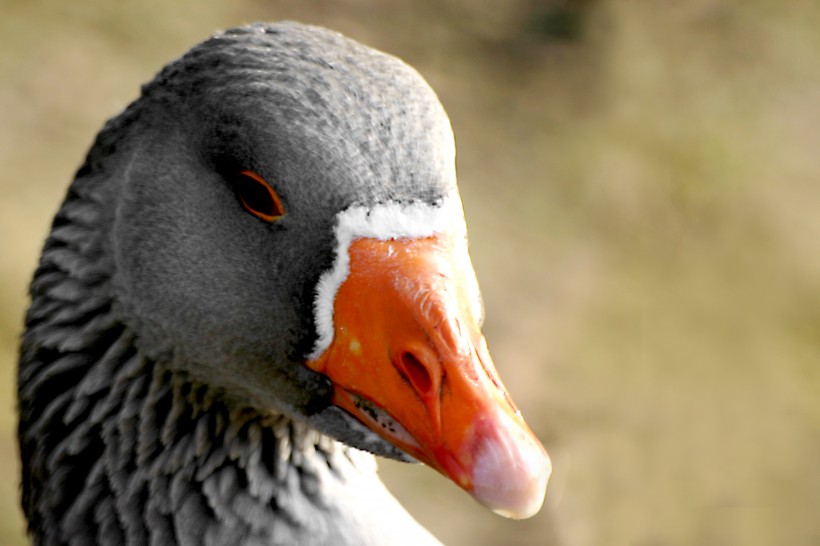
(258,280)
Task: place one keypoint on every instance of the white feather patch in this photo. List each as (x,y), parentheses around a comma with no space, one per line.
(384,221)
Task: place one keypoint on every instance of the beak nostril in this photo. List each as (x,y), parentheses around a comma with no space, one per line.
(416,372)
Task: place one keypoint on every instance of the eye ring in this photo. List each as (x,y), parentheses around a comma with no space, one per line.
(258,197)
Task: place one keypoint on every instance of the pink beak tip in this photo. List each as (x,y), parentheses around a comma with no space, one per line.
(511,471)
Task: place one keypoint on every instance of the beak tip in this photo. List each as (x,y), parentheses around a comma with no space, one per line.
(518,498)
(510,474)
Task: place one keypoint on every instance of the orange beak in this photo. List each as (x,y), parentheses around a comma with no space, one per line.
(408,360)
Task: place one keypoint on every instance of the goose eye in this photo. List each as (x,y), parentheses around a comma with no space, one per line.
(258,197)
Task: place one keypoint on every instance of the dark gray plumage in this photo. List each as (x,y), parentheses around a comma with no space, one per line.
(160,367)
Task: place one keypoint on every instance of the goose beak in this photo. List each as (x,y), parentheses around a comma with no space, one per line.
(409,361)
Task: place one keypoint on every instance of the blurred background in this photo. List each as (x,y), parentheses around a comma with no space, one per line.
(642,184)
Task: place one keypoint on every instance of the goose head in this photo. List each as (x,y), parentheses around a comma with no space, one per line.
(286,228)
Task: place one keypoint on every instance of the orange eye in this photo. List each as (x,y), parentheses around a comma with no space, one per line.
(258,197)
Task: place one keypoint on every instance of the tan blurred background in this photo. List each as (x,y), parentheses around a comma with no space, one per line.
(642,185)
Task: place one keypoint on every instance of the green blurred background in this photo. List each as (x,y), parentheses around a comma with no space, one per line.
(642,185)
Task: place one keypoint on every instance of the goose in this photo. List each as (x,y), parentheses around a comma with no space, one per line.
(258,280)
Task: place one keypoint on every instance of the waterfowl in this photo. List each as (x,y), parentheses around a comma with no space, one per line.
(259,274)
